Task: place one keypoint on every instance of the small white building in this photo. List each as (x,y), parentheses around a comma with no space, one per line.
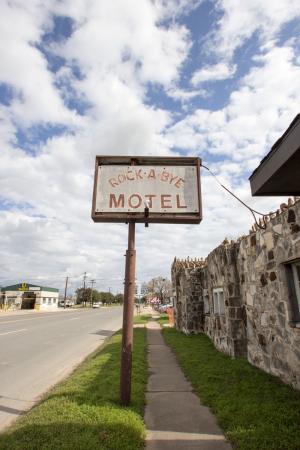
(28,296)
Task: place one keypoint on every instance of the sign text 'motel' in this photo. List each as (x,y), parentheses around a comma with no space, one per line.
(169,187)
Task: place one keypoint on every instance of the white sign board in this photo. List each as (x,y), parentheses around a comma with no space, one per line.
(163,189)
(171,192)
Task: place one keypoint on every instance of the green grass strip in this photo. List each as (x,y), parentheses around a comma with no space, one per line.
(142,318)
(256,410)
(164,319)
(82,413)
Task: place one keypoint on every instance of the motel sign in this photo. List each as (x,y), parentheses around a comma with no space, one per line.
(168,187)
(140,189)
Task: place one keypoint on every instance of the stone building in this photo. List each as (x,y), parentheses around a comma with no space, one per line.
(188,278)
(226,322)
(246,295)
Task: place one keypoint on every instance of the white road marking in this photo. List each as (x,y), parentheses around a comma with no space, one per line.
(22,320)
(16,331)
(74,318)
(13,321)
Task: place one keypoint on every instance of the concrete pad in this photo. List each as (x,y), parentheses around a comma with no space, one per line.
(189,442)
(155,337)
(179,411)
(171,381)
(160,355)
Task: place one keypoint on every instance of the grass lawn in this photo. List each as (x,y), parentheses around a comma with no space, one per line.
(83,413)
(142,318)
(256,410)
(164,319)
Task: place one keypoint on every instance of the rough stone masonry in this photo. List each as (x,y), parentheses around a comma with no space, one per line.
(246,295)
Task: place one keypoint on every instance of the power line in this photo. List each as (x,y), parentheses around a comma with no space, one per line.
(253,211)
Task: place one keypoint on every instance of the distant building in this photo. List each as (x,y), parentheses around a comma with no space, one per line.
(28,296)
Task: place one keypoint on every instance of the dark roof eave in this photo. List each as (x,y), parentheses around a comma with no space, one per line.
(279,172)
(277,144)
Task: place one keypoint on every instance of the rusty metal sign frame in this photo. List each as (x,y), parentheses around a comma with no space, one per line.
(154,217)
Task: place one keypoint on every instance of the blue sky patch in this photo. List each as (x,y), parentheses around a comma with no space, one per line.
(30,139)
(8,205)
(6,94)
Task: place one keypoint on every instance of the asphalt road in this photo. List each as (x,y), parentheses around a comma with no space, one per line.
(39,349)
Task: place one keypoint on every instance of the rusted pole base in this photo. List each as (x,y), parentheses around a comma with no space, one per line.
(128,311)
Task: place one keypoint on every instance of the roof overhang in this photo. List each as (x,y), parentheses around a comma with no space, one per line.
(279,172)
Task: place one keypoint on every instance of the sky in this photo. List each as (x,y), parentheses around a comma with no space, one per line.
(80,78)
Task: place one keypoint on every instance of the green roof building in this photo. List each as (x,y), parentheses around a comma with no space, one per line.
(28,296)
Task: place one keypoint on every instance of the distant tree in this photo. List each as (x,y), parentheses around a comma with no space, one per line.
(160,287)
(106,298)
(83,295)
(119,298)
(144,289)
(96,296)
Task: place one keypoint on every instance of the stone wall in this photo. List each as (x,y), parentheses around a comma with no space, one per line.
(263,263)
(228,330)
(260,319)
(188,278)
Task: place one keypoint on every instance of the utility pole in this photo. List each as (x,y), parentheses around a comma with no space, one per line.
(83,297)
(91,299)
(128,310)
(65,296)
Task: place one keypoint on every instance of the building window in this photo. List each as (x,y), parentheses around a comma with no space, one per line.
(296,275)
(206,301)
(218,297)
(293,275)
(54,300)
(49,301)
(44,300)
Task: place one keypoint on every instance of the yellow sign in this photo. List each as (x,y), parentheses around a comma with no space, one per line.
(23,287)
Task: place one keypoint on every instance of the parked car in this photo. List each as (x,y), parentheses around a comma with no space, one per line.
(96,305)
(69,303)
(163,308)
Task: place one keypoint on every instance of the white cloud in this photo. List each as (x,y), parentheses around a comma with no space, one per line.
(175,8)
(257,113)
(25,69)
(220,71)
(240,20)
(123,38)
(185,95)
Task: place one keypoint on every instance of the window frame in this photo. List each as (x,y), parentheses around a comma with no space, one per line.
(206,305)
(220,310)
(293,285)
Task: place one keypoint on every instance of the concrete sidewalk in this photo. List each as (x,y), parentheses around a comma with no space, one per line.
(174,416)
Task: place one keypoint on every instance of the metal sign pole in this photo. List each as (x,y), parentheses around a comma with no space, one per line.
(128,311)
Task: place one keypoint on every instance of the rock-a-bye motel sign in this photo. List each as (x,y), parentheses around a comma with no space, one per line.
(148,190)
(168,186)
